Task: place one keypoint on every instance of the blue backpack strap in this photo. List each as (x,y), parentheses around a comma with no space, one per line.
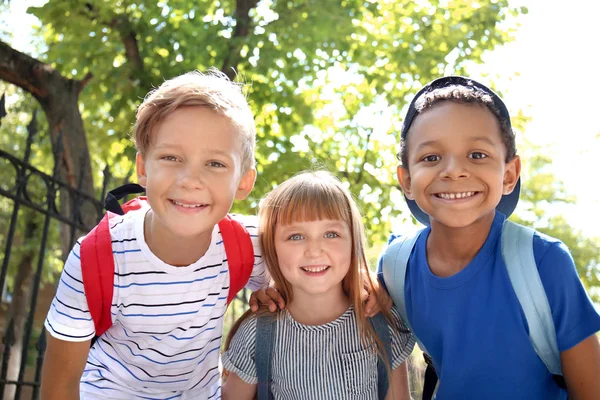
(395,264)
(265,336)
(517,251)
(382,329)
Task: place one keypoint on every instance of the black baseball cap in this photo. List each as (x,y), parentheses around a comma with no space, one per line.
(508,202)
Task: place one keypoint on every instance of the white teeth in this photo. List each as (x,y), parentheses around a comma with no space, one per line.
(187,205)
(315,269)
(452,196)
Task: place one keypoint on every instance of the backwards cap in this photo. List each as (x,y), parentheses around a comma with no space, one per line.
(508,202)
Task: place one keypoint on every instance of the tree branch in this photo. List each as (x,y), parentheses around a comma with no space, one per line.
(242,30)
(24,71)
(126,34)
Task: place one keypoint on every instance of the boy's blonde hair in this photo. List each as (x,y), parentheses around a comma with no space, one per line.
(212,89)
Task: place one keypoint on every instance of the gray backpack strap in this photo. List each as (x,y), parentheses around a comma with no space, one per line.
(382,329)
(265,336)
(517,251)
(395,264)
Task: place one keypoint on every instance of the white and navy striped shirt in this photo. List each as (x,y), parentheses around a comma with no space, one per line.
(327,361)
(167,321)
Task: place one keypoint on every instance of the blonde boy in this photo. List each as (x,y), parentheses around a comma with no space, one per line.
(195,137)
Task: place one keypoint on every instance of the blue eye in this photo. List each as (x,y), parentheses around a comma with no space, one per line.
(477,155)
(295,236)
(331,235)
(431,158)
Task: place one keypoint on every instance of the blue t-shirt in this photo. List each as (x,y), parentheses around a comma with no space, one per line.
(474,328)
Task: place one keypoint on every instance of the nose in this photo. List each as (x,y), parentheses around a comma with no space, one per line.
(191,178)
(454,168)
(313,248)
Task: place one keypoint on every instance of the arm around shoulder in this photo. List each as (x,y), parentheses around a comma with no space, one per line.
(63,366)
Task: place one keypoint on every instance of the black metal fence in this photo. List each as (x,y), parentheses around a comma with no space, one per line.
(32,194)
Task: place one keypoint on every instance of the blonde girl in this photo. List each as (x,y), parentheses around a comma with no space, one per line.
(323,345)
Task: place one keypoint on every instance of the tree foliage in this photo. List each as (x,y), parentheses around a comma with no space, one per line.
(543,201)
(326,79)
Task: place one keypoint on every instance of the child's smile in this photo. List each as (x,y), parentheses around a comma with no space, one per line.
(187,206)
(314,256)
(192,173)
(456,163)
(315,270)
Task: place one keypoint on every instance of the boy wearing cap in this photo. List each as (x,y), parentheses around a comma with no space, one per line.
(460,176)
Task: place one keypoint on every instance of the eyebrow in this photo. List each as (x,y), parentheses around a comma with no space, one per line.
(297,225)
(169,146)
(485,139)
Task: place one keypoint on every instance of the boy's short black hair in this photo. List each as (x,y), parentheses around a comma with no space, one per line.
(463,91)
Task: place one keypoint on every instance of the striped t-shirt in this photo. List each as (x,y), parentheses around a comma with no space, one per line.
(319,362)
(167,321)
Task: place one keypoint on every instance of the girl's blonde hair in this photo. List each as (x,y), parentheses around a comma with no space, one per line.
(311,196)
(213,90)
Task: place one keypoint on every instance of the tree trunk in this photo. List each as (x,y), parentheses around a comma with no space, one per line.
(58,97)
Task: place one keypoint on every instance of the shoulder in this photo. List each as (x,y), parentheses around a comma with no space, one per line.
(545,247)
(243,341)
(246,332)
(398,245)
(127,226)
(250,222)
(403,341)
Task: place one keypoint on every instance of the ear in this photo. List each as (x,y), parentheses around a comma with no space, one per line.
(405,182)
(246,184)
(512,172)
(140,167)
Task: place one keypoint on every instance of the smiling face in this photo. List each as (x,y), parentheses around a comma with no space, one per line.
(314,256)
(192,171)
(456,168)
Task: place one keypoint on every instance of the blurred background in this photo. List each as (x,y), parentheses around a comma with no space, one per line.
(328,80)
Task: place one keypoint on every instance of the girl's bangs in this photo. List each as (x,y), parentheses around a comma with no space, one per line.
(311,201)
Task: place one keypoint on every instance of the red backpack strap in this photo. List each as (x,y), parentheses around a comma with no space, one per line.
(134,204)
(240,254)
(98,271)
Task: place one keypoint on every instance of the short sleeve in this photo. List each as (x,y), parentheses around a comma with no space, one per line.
(403,341)
(69,317)
(239,358)
(575,317)
(259,278)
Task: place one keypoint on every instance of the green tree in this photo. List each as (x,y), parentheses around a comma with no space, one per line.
(318,73)
(542,196)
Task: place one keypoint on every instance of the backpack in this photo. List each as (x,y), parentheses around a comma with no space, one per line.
(98,264)
(265,336)
(517,252)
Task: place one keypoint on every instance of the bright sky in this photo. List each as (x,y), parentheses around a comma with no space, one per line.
(555,53)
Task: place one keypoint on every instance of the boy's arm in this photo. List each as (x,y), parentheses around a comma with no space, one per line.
(576,320)
(235,388)
(581,369)
(63,366)
(399,380)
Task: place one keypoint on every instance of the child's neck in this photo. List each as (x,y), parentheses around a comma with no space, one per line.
(175,250)
(310,309)
(450,250)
